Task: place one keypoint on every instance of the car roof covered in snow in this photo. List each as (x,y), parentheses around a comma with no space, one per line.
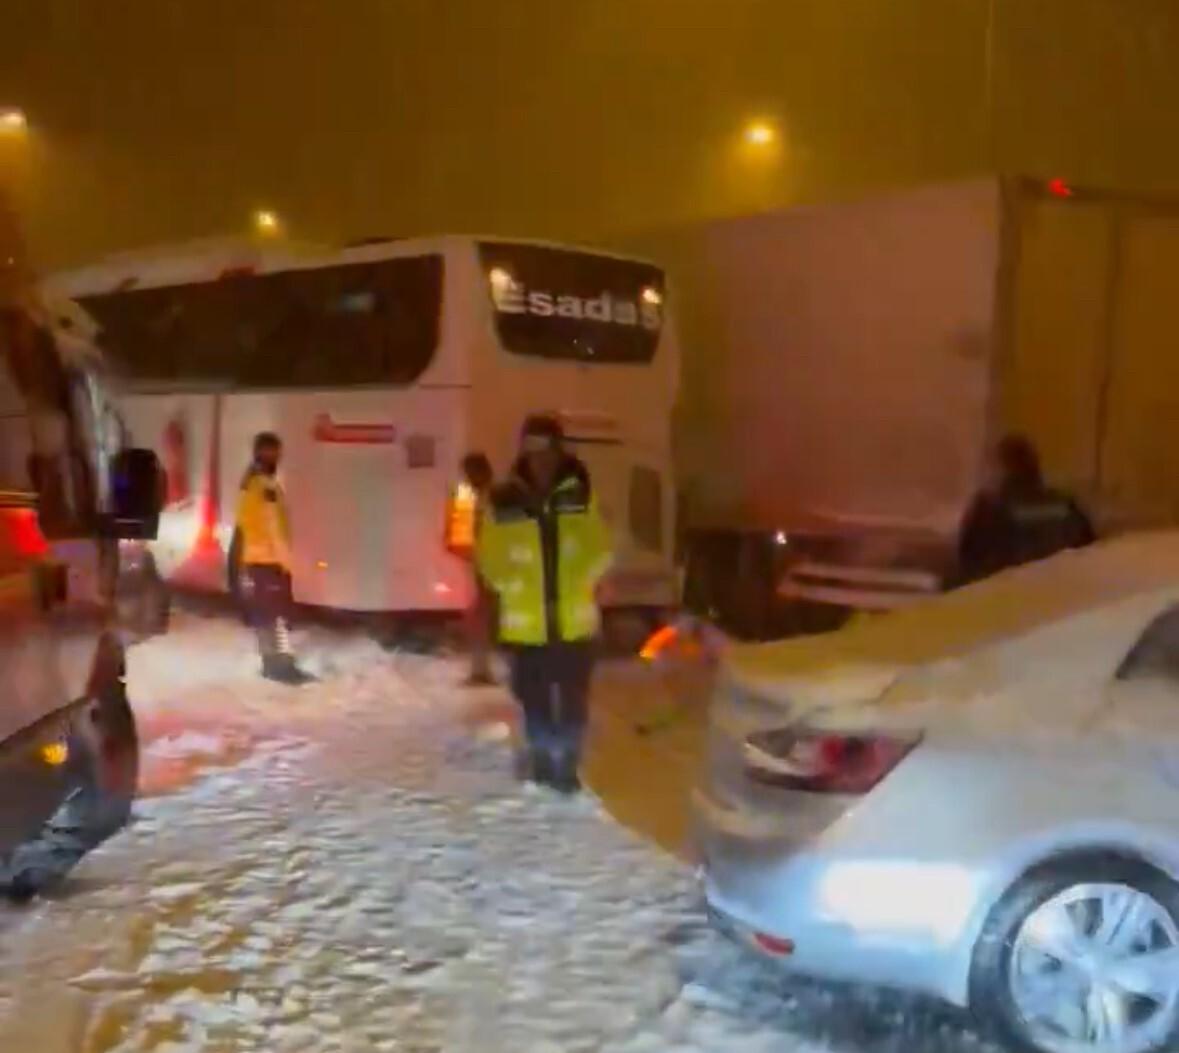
(1013,604)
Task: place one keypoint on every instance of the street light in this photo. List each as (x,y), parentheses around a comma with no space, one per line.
(266,221)
(760,133)
(13,121)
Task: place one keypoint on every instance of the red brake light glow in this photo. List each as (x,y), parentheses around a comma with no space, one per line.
(1059,188)
(23,533)
(822,762)
(206,538)
(773,944)
(658,642)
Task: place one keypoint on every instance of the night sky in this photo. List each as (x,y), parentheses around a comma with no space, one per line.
(158,120)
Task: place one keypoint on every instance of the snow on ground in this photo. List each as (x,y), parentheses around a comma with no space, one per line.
(350,867)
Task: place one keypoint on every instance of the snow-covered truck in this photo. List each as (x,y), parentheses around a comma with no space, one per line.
(846,366)
(70,491)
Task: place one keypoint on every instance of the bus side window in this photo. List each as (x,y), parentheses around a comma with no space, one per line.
(376,323)
(352,324)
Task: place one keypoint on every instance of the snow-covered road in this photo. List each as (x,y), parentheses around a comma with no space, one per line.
(350,867)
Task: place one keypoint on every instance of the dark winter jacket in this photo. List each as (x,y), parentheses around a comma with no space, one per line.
(1013,528)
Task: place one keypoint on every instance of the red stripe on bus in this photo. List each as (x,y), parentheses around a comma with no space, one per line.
(327,430)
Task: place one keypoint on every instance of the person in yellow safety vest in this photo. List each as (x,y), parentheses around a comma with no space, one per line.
(544,548)
(263,544)
(478,476)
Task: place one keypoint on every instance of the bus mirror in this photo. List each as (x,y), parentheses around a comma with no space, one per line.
(136,495)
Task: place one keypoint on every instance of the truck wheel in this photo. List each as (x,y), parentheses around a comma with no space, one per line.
(1083,955)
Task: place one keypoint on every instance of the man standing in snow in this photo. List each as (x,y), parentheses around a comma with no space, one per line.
(1017,518)
(544,548)
(264,544)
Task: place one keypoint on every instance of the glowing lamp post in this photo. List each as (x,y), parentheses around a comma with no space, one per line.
(13,122)
(267,223)
(760,133)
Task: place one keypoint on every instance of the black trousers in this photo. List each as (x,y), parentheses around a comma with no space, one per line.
(552,684)
(268,599)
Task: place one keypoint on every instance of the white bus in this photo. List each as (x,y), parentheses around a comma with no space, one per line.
(380,366)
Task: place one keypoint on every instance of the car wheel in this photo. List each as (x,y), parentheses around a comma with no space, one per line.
(1082,957)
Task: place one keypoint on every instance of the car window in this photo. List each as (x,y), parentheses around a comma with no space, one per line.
(1156,654)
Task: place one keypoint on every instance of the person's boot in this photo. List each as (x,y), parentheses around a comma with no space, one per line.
(522,765)
(281,668)
(540,766)
(565,778)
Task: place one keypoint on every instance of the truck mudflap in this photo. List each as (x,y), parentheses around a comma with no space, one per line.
(73,780)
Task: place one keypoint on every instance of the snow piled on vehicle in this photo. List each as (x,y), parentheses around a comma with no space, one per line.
(365,875)
(1056,630)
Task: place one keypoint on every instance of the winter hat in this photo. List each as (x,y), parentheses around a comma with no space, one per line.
(541,432)
(266,440)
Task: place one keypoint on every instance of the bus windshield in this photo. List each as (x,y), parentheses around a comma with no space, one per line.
(352,324)
(575,306)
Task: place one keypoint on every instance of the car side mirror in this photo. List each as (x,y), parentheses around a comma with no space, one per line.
(137,495)
(65,495)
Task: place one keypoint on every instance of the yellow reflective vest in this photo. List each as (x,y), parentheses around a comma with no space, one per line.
(262,521)
(544,556)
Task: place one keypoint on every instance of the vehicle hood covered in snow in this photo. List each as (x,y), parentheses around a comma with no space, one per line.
(1069,621)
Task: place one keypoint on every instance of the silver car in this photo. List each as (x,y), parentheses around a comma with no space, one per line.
(976,798)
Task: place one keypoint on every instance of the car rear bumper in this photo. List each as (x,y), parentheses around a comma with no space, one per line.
(821,910)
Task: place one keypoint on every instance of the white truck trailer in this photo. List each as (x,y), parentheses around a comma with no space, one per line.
(846,366)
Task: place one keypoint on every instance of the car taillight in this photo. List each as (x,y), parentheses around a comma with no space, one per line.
(20,531)
(824,762)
